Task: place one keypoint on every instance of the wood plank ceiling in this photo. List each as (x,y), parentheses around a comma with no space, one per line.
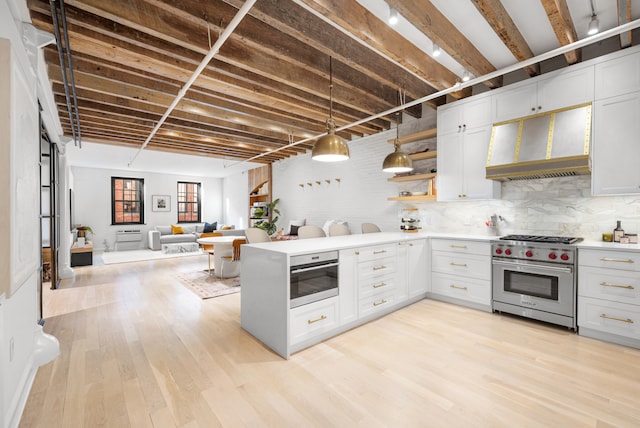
(269,84)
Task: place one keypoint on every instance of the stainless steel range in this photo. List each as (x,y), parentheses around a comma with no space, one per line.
(535,277)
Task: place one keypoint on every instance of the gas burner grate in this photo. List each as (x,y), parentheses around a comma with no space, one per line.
(546,239)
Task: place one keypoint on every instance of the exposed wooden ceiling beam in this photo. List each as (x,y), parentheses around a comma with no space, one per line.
(500,20)
(562,24)
(624,16)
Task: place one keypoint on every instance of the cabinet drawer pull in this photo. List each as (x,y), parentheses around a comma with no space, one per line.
(381,302)
(379,267)
(464,247)
(382,284)
(380,252)
(628,320)
(322,318)
(607,259)
(457,287)
(458,264)
(608,284)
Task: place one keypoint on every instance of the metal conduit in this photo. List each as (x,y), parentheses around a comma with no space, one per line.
(71,76)
(458,86)
(242,12)
(56,27)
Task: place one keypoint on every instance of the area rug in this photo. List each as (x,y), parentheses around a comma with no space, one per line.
(207,286)
(113,257)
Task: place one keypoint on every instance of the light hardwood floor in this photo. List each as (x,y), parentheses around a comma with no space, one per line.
(141,350)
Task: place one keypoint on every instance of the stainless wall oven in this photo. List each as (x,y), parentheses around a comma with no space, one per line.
(535,279)
(313,277)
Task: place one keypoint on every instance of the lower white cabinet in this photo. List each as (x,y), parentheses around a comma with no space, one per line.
(313,319)
(609,295)
(461,272)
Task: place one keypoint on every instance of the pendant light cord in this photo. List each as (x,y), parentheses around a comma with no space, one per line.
(331,122)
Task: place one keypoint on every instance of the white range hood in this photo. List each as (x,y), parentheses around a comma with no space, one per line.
(550,144)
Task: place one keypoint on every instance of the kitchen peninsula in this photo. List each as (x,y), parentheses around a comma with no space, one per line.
(377,273)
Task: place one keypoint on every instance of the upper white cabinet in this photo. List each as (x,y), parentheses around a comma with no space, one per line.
(615,145)
(464,132)
(618,76)
(564,88)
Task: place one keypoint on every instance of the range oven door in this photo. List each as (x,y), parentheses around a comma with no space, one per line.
(313,277)
(541,286)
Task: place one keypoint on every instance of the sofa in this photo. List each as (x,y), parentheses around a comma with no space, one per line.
(191,232)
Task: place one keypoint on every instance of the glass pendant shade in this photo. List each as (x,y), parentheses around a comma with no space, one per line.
(330,148)
(396,162)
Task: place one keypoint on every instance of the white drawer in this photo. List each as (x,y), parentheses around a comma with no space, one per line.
(610,284)
(472,290)
(624,260)
(461,264)
(376,302)
(377,252)
(464,247)
(376,268)
(609,317)
(376,286)
(307,321)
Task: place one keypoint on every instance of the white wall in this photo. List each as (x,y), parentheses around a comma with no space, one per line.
(92,202)
(19,219)
(235,200)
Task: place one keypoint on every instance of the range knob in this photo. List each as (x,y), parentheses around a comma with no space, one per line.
(529,253)
(498,251)
(564,257)
(553,256)
(507,252)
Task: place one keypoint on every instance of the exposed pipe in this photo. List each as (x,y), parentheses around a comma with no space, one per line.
(242,12)
(458,86)
(56,27)
(63,15)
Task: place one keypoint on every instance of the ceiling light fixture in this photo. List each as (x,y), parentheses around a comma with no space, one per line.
(393,16)
(436,50)
(398,161)
(330,147)
(594,24)
(466,76)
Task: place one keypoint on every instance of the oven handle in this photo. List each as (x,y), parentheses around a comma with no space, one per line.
(314,268)
(533,265)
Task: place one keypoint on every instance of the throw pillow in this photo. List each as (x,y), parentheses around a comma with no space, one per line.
(210,227)
(293,230)
(228,227)
(176,230)
(297,223)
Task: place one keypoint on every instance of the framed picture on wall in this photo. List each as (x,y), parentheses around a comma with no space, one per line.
(161,203)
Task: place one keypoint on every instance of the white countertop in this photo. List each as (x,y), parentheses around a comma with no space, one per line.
(314,245)
(614,246)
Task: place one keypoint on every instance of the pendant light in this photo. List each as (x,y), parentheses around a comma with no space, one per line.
(330,147)
(398,161)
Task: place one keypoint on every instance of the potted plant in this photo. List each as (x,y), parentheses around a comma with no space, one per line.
(259,212)
(267,225)
(82,231)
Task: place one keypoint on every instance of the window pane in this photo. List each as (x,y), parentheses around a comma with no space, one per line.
(127,204)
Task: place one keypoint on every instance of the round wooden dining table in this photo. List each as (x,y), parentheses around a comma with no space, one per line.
(222,246)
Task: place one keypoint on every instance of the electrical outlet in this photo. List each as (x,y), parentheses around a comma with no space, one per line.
(11,349)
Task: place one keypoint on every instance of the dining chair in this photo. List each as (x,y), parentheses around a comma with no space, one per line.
(234,258)
(370,228)
(255,235)
(209,247)
(337,229)
(310,231)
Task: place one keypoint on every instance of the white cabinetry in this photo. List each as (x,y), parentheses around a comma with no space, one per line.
(376,278)
(413,267)
(615,145)
(564,88)
(348,293)
(609,295)
(618,76)
(461,272)
(464,132)
(313,319)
